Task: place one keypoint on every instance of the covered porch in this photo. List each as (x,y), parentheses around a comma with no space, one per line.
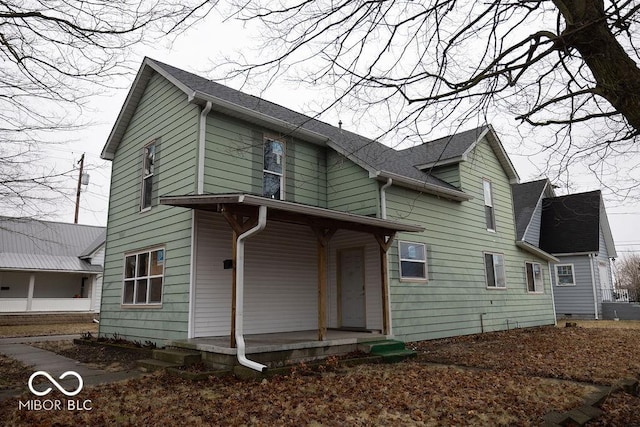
(45,291)
(273,275)
(282,348)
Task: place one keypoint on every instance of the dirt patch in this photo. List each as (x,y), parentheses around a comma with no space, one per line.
(99,357)
(592,355)
(52,329)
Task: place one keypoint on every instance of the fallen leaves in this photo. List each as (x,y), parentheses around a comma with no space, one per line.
(12,373)
(593,355)
(510,378)
(404,394)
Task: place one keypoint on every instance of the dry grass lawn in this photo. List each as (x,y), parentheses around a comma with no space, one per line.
(508,378)
(52,329)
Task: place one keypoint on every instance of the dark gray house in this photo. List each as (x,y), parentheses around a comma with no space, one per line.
(574,229)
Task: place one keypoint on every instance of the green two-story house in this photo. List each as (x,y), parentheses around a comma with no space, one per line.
(232,215)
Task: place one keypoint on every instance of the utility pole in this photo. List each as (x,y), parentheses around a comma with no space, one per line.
(81,162)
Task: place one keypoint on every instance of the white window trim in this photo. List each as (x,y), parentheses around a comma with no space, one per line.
(535,285)
(493,208)
(486,282)
(573,275)
(144,158)
(134,304)
(400,259)
(284,169)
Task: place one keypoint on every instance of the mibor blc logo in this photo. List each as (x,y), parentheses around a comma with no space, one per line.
(55,404)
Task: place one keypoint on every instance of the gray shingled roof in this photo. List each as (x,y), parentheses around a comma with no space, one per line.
(368,153)
(27,244)
(525,199)
(443,149)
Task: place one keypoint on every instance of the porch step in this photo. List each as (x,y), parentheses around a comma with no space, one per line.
(155,365)
(177,357)
(380,347)
(391,351)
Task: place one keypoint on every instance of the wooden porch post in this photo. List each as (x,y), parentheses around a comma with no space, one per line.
(385,242)
(323,235)
(238,226)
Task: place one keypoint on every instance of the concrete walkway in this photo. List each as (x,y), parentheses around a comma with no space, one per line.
(54,365)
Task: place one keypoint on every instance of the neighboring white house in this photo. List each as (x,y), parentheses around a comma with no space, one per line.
(50,266)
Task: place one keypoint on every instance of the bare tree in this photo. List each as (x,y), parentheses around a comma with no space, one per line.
(55,54)
(566,65)
(628,274)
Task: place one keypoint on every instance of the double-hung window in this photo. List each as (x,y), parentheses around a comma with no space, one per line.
(143,277)
(535,281)
(565,275)
(148,166)
(413,261)
(489,213)
(273,172)
(494,270)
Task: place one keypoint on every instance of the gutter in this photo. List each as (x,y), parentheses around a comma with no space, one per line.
(593,282)
(202,130)
(553,298)
(242,358)
(536,251)
(383,198)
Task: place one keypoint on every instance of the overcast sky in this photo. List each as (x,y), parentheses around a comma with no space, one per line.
(201,47)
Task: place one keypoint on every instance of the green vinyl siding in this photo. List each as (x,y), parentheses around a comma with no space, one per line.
(449,174)
(349,187)
(234,162)
(164,115)
(455,300)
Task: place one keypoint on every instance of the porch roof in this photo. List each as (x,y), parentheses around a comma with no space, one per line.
(281,210)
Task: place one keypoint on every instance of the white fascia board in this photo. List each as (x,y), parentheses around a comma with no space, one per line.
(536,251)
(534,209)
(502,155)
(606,232)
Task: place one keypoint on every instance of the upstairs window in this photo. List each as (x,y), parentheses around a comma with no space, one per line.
(143,277)
(273,176)
(565,275)
(489,213)
(148,166)
(494,270)
(413,261)
(535,282)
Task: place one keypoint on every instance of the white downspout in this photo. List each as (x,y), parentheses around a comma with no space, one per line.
(242,358)
(553,299)
(202,131)
(593,282)
(383,215)
(383,198)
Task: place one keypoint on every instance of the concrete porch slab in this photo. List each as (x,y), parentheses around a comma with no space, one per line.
(280,341)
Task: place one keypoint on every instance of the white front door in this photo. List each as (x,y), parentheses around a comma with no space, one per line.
(605,278)
(351,279)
